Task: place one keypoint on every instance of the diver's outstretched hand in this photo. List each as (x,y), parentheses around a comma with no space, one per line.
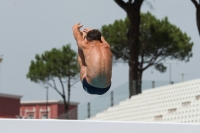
(77,26)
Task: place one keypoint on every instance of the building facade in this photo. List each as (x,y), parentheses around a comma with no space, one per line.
(52,109)
(9,105)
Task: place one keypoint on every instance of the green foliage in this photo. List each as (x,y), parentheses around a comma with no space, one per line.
(115,35)
(159,40)
(57,63)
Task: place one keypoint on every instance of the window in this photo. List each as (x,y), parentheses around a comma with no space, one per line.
(44,116)
(30,116)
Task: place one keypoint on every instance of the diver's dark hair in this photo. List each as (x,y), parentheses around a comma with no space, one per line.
(93,35)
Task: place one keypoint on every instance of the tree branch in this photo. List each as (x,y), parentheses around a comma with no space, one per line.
(63,88)
(54,87)
(75,82)
(153,63)
(153,59)
(159,61)
(149,4)
(129,1)
(139,2)
(122,4)
(195,3)
(150,64)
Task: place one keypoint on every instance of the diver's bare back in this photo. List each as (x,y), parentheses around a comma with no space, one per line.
(98,59)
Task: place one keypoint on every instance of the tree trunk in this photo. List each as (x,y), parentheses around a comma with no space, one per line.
(133,13)
(197,5)
(66,107)
(198,18)
(68,100)
(139,85)
(69,89)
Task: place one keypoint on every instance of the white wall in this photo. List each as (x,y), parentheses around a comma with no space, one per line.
(64,126)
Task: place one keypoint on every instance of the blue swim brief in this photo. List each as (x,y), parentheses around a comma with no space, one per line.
(94,90)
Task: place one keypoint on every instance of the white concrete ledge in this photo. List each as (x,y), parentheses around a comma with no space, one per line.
(83,126)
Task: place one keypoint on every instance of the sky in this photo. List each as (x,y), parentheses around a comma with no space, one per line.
(30,27)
